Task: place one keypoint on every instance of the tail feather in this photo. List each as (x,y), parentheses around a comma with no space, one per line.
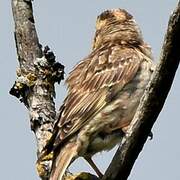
(63,160)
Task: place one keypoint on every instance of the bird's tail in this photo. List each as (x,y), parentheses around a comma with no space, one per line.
(63,160)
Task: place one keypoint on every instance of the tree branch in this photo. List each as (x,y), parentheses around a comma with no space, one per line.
(36,76)
(151,103)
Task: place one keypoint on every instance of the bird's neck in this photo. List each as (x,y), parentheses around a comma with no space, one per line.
(116,36)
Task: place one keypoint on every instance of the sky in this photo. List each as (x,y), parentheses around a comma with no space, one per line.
(68,28)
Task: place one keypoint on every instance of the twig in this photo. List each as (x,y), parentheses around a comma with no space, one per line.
(36,76)
(151,104)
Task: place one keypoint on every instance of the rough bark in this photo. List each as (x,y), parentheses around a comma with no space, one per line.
(151,103)
(36,75)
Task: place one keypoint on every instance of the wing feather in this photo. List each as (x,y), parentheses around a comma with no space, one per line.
(89,85)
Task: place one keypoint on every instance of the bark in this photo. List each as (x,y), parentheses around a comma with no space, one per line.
(36,75)
(151,104)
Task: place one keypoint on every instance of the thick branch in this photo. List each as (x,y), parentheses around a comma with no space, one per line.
(36,76)
(151,104)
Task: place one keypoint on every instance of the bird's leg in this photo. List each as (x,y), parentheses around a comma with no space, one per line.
(93,165)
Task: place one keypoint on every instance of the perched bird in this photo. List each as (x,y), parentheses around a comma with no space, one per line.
(104,91)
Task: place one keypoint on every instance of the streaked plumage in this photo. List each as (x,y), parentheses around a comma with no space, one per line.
(104,91)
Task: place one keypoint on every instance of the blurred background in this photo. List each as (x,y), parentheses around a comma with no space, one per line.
(68,28)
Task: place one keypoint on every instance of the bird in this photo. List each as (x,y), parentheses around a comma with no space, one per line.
(103,92)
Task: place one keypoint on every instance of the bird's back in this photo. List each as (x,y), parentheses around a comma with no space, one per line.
(109,82)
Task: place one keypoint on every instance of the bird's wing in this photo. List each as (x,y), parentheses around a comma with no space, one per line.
(90,86)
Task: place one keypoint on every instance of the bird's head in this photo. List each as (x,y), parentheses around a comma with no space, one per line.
(116,25)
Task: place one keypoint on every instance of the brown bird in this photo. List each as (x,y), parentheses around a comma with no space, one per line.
(104,91)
